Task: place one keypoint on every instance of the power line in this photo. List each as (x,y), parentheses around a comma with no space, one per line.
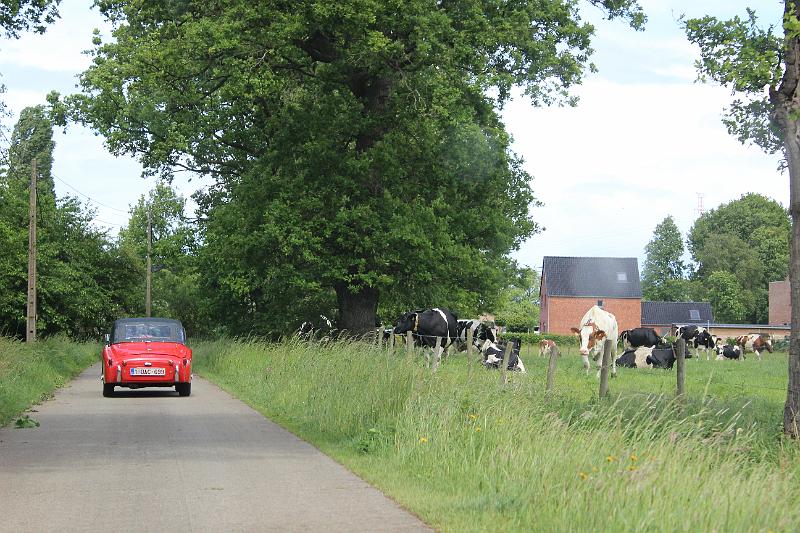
(98,202)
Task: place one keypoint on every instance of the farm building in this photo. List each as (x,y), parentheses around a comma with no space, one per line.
(571,285)
(780,304)
(661,316)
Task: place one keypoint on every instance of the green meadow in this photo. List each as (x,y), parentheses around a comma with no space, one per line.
(466,453)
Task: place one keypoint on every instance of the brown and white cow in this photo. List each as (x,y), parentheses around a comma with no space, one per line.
(546,347)
(755,342)
(596,326)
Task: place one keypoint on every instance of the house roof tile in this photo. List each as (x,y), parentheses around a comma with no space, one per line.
(663,313)
(598,277)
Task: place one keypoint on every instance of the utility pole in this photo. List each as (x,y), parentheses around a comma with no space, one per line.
(30,331)
(148,297)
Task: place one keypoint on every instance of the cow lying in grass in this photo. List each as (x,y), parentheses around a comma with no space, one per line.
(648,357)
(729,351)
(493,355)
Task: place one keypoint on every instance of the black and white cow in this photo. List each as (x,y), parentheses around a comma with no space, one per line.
(493,356)
(427,325)
(704,341)
(688,333)
(640,337)
(323,328)
(481,333)
(729,351)
(635,358)
(662,357)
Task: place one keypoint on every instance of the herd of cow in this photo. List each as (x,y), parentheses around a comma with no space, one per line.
(647,349)
(428,325)
(439,329)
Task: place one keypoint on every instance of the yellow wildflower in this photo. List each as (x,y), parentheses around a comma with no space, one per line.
(634,458)
(595,469)
(478,429)
(611,458)
(472,416)
(583,475)
(423,440)
(632,468)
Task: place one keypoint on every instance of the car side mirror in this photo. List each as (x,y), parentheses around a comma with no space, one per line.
(107,339)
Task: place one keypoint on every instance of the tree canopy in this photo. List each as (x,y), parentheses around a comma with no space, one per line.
(356,144)
(749,239)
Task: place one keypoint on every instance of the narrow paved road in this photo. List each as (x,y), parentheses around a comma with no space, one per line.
(148,460)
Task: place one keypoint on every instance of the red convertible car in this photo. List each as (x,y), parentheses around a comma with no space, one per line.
(147,352)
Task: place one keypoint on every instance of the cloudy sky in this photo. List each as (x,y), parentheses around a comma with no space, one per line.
(643,142)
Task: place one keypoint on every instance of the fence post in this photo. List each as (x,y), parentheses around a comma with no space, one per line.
(604,369)
(469,352)
(551,369)
(379,338)
(680,359)
(436,355)
(504,368)
(409,344)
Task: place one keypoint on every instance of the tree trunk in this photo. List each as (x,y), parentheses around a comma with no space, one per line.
(357,309)
(791,411)
(786,105)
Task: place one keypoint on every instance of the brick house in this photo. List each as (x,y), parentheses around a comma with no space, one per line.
(661,316)
(780,303)
(571,285)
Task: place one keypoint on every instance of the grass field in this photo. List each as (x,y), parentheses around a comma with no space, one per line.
(30,373)
(467,454)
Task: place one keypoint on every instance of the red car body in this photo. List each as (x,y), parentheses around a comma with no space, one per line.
(147,352)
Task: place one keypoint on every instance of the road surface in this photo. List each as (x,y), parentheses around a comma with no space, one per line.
(148,460)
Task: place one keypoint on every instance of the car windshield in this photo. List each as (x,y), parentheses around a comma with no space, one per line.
(148,330)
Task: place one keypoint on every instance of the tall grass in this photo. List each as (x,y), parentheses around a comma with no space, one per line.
(472,455)
(29,373)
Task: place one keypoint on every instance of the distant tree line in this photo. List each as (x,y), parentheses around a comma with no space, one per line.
(736,250)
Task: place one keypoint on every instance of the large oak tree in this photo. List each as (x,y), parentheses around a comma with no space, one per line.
(356,144)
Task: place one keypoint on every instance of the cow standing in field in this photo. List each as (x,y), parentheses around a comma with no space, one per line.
(546,347)
(427,325)
(595,326)
(755,342)
(704,341)
(688,333)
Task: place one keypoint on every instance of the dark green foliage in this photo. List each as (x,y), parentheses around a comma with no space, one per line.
(357,147)
(17,16)
(80,275)
(748,241)
(662,275)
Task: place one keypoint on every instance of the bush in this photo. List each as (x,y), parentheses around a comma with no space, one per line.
(536,338)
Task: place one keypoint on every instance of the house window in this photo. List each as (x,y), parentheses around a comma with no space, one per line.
(599,303)
(622,276)
(694,314)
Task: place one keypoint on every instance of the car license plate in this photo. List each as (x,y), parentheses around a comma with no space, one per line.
(148,371)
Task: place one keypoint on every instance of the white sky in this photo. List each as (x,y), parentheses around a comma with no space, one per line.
(643,142)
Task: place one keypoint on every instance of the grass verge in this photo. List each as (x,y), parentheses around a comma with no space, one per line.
(467,454)
(29,373)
